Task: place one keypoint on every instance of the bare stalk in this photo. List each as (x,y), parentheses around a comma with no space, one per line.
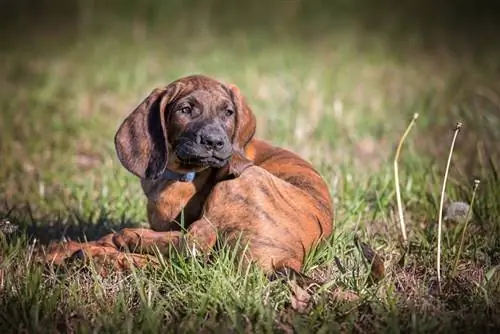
(467,218)
(440,216)
(396,177)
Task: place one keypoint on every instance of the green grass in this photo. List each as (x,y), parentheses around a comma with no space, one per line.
(340,97)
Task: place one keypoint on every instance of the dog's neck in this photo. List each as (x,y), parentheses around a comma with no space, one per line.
(175,176)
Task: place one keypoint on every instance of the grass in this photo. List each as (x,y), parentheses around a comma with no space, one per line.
(341,98)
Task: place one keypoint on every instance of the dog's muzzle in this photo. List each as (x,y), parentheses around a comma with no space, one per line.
(204,145)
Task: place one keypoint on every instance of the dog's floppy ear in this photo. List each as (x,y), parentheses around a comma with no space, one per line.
(244,132)
(141,142)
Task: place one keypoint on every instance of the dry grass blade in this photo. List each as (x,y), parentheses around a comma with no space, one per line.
(396,177)
(456,130)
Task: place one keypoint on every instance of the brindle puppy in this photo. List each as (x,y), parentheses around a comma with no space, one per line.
(192,146)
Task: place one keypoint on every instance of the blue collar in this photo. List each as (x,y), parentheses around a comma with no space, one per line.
(174,176)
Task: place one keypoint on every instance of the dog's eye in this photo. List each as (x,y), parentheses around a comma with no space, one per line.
(229,112)
(185,110)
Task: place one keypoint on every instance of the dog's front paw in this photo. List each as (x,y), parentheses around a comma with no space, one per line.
(58,253)
(107,260)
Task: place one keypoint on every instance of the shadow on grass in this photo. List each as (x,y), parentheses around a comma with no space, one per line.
(72,224)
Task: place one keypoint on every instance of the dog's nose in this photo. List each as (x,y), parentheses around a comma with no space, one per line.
(211,141)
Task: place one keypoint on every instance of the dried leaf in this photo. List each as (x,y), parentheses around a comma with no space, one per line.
(339,265)
(377,268)
(301,299)
(343,295)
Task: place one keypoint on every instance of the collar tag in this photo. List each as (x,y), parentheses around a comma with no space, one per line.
(174,176)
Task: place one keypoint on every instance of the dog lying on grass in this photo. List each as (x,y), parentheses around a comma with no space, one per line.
(192,146)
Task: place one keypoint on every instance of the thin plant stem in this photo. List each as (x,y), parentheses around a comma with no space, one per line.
(441,204)
(466,223)
(396,177)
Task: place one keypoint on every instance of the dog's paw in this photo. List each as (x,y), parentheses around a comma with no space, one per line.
(58,253)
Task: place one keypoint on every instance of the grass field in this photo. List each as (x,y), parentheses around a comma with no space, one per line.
(339,90)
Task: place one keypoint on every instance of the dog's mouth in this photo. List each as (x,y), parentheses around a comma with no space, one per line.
(194,162)
(191,156)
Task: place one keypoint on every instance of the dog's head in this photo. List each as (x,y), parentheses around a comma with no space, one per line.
(192,124)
